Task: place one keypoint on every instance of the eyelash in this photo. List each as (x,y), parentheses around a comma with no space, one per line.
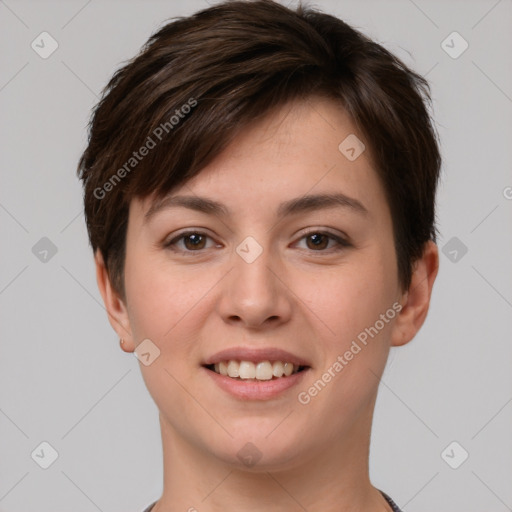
(341,242)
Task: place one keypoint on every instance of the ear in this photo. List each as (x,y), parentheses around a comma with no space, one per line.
(416,300)
(116,309)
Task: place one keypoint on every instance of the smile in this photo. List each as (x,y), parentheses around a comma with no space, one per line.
(249,373)
(263,370)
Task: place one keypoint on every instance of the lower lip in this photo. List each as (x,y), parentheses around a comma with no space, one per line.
(248,389)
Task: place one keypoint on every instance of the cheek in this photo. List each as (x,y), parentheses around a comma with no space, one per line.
(356,303)
(164,306)
(352,296)
(166,303)
(157,298)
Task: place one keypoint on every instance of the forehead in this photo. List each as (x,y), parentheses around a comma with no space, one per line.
(304,147)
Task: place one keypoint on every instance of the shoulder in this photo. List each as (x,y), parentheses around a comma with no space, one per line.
(392,504)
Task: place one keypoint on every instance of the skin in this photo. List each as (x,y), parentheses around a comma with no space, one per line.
(312,300)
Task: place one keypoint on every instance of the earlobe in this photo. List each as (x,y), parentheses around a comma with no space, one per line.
(114,305)
(416,300)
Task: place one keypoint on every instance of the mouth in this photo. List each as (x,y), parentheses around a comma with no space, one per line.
(257,364)
(258,379)
(255,371)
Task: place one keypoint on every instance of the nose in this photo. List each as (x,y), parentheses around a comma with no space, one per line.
(255,293)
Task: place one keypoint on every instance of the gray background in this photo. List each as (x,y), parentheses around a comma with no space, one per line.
(63,377)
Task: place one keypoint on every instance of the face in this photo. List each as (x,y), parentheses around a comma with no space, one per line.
(279,251)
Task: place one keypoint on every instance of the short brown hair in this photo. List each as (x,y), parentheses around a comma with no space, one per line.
(199,80)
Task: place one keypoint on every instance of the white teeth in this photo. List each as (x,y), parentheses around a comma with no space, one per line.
(233,369)
(277,369)
(264,370)
(247,370)
(223,368)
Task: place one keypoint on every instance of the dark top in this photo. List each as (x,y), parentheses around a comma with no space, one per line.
(392,504)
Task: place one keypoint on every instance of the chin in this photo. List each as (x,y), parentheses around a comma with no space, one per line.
(257,449)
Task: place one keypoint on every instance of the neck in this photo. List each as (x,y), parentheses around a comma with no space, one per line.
(332,479)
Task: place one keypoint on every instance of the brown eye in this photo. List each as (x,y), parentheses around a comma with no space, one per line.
(194,241)
(318,241)
(191,241)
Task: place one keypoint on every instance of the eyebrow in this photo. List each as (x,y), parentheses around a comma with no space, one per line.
(291,207)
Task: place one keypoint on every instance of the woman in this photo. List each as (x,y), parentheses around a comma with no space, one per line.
(259,194)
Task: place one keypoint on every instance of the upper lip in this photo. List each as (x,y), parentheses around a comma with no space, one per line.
(255,355)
